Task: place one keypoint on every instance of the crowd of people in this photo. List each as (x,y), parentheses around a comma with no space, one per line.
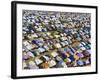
(56,39)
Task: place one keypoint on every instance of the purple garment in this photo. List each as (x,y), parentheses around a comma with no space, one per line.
(80,55)
(25,57)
